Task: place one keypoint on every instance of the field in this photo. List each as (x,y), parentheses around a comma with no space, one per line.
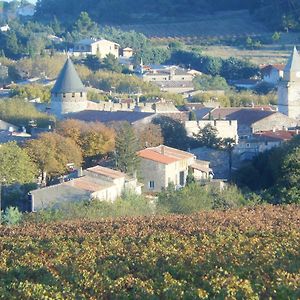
(217,28)
(220,24)
(251,253)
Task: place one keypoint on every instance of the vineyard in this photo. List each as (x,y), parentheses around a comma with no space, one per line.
(250,253)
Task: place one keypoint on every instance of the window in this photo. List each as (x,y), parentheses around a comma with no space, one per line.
(64,95)
(73,95)
(151,184)
(81,94)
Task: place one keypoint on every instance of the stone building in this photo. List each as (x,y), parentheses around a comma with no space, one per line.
(97,183)
(163,165)
(289,88)
(68,94)
(92,46)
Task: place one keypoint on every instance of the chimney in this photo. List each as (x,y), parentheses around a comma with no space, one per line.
(274,129)
(162,149)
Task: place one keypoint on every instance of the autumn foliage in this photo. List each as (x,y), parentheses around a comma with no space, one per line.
(249,253)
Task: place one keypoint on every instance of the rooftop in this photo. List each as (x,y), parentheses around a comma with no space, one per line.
(109,116)
(86,183)
(68,80)
(165,155)
(107,172)
(282,135)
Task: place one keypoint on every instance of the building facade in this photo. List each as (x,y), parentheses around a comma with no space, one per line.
(93,46)
(162,165)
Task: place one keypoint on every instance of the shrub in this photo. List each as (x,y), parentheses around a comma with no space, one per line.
(12,216)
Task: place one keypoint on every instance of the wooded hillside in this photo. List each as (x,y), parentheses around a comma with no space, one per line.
(285,14)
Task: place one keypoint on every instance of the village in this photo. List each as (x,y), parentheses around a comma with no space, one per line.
(219,140)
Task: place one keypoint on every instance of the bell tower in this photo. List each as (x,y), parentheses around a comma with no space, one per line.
(289,87)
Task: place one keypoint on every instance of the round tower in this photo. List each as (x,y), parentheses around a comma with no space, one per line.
(68,94)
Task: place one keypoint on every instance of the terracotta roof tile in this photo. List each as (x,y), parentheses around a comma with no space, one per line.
(106,172)
(164,154)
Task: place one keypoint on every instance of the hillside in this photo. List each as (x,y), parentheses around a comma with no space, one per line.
(249,253)
(285,14)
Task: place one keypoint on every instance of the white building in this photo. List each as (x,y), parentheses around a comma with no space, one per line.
(272,73)
(225,128)
(98,183)
(93,46)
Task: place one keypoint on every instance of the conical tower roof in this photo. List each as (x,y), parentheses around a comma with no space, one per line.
(68,80)
(293,62)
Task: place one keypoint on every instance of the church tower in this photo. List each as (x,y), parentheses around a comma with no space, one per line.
(289,88)
(68,94)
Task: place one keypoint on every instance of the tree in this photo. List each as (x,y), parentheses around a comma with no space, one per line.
(276,36)
(110,62)
(192,116)
(149,135)
(84,25)
(173,132)
(52,153)
(15,165)
(207,137)
(92,62)
(94,139)
(126,158)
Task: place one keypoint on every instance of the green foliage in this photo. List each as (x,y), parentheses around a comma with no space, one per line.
(194,197)
(207,137)
(173,131)
(207,82)
(15,165)
(32,91)
(276,172)
(276,36)
(52,153)
(20,112)
(111,63)
(12,216)
(127,145)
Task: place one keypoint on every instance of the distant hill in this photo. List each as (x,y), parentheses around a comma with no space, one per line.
(285,14)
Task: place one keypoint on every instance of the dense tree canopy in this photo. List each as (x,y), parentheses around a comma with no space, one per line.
(15,165)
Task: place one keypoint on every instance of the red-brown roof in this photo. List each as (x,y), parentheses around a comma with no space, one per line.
(84,183)
(165,155)
(106,172)
(282,135)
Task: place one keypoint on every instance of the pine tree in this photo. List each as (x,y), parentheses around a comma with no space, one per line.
(126,158)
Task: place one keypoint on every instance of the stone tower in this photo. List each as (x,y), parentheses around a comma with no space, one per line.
(289,88)
(68,94)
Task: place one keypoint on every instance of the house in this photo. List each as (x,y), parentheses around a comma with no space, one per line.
(272,73)
(97,183)
(262,141)
(99,47)
(251,120)
(4,28)
(127,52)
(171,79)
(162,165)
(225,128)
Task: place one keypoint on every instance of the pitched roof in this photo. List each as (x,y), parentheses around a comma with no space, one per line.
(107,172)
(244,116)
(281,135)
(68,80)
(293,63)
(86,183)
(163,154)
